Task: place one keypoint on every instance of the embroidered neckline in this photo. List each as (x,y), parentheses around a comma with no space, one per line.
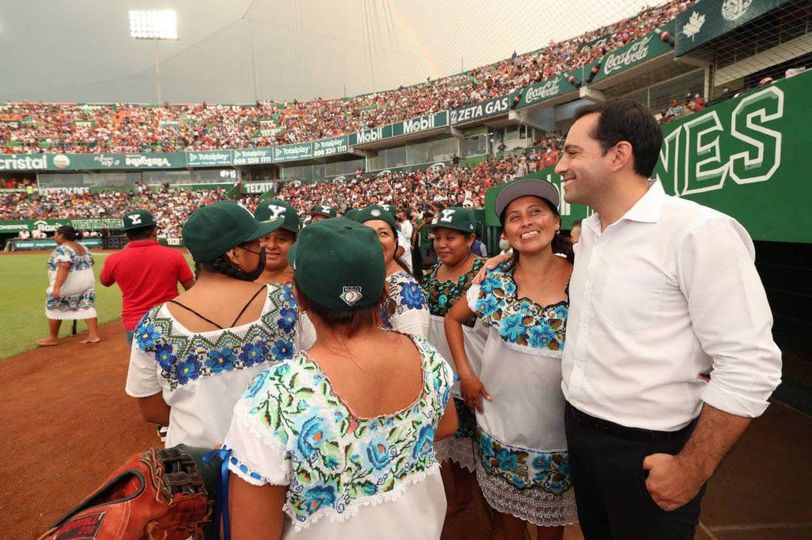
(330,389)
(509,271)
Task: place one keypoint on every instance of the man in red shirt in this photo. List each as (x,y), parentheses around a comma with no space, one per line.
(146,272)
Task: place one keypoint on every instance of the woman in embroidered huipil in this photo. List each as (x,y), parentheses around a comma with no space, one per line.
(523,462)
(405,309)
(338,441)
(192,357)
(70,262)
(447,282)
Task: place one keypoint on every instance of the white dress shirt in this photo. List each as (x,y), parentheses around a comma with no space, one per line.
(667,292)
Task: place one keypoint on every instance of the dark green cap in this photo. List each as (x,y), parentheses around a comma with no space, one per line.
(270,209)
(457,218)
(323,210)
(350,213)
(388,208)
(338,264)
(137,218)
(214,229)
(376,212)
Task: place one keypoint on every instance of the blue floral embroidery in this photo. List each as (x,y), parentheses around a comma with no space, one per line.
(311,437)
(287,319)
(525,468)
(220,360)
(183,358)
(411,295)
(164,356)
(282,349)
(335,458)
(519,320)
(146,335)
(187,370)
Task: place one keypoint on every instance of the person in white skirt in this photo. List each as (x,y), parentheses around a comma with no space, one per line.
(523,467)
(338,442)
(406,309)
(445,284)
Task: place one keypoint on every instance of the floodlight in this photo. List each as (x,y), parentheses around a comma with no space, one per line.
(153,24)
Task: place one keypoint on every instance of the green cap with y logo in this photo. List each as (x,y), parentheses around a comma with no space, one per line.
(324,210)
(456,218)
(137,218)
(271,209)
(338,264)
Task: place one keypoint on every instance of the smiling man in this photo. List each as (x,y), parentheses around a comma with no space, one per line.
(664,293)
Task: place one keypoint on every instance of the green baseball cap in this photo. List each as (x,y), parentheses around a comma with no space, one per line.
(338,264)
(137,218)
(270,209)
(457,218)
(214,229)
(323,210)
(376,212)
(387,207)
(350,213)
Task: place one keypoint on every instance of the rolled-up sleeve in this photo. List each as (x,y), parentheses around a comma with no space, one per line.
(730,316)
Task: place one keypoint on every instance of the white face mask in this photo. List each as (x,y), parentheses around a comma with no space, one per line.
(504,245)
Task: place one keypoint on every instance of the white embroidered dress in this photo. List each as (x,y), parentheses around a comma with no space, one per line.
(201,375)
(347,477)
(406,309)
(523,466)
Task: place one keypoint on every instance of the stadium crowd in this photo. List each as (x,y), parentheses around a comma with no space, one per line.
(43,127)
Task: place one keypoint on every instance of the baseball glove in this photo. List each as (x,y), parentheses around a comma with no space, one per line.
(157,494)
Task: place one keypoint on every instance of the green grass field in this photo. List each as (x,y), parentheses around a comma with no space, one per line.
(22,305)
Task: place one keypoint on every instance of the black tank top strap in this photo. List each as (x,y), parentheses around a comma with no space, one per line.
(248,304)
(187,308)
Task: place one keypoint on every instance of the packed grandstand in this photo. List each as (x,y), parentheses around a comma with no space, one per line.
(123,128)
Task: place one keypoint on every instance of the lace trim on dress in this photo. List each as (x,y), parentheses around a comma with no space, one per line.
(460,451)
(533,505)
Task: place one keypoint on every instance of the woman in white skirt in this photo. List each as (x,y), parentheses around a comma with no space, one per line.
(523,466)
(71,293)
(444,285)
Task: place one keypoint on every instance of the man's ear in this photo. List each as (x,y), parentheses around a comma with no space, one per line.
(622,155)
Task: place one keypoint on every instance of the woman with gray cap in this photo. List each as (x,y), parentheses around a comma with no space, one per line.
(523,467)
(338,442)
(193,356)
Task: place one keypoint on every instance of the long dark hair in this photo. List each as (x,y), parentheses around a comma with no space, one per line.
(223,265)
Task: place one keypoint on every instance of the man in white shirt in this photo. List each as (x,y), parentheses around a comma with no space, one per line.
(669,350)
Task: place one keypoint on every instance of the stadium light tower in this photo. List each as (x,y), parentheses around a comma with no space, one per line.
(154,25)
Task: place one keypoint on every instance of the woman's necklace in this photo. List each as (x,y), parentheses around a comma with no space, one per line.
(549,273)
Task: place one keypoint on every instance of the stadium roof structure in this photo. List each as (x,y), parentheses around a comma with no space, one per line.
(243,50)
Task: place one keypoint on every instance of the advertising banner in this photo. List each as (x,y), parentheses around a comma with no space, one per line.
(331,146)
(254,156)
(293,152)
(543,91)
(486,109)
(217,158)
(709,19)
(635,53)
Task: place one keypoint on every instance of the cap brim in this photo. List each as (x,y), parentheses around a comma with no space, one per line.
(461,228)
(265,228)
(522,188)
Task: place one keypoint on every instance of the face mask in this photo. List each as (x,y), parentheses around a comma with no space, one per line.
(243,275)
(504,245)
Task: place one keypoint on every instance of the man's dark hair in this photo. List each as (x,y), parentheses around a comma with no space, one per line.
(141,233)
(630,121)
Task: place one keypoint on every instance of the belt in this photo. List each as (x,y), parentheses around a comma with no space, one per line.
(623,432)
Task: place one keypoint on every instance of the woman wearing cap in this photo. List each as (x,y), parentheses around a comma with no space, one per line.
(71,293)
(277,244)
(523,462)
(338,442)
(406,309)
(193,356)
(445,284)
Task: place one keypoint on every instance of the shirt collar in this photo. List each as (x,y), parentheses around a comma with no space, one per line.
(646,210)
(141,243)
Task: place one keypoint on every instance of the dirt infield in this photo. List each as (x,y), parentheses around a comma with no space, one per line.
(67,424)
